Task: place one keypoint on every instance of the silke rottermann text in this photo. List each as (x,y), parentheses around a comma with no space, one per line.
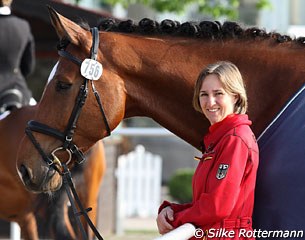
(212,233)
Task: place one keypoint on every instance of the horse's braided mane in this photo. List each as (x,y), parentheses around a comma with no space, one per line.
(205,29)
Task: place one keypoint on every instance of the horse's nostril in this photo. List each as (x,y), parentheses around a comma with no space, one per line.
(24,172)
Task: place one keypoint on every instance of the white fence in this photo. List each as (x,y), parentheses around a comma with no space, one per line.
(15,232)
(139,185)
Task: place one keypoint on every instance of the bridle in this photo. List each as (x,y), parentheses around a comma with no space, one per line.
(67,136)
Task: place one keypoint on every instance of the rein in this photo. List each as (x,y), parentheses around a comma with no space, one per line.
(67,136)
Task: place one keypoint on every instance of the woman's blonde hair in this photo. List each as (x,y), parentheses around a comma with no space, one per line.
(231,80)
(5,3)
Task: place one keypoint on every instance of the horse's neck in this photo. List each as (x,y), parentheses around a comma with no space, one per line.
(273,73)
(168,102)
(159,76)
(159,82)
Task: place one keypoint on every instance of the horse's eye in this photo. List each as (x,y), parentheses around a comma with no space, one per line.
(62,86)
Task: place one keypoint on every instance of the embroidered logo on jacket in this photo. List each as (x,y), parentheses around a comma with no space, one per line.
(222,171)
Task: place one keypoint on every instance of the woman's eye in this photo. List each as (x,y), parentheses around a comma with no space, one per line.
(219,93)
(203,94)
(62,85)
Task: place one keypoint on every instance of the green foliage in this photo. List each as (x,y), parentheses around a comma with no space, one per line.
(215,8)
(218,9)
(180,185)
(263,4)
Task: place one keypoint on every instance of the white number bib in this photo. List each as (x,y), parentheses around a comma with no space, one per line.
(91,69)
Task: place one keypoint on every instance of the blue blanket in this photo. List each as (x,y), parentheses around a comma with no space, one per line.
(280,190)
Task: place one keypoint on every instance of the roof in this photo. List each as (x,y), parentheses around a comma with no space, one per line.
(36,13)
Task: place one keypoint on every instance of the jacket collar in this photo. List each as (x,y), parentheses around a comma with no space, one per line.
(219,129)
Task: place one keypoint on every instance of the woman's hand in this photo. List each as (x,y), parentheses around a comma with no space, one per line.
(166,215)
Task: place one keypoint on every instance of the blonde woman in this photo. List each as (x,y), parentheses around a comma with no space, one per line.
(224,181)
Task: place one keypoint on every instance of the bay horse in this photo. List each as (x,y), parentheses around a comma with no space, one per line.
(149,70)
(22,206)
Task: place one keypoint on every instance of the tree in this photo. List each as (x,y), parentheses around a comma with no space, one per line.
(214,8)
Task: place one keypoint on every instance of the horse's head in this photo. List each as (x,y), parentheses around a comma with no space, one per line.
(80,105)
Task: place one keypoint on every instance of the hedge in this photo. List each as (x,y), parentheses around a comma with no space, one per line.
(180,185)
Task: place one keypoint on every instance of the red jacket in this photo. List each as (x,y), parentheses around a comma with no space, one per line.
(224,181)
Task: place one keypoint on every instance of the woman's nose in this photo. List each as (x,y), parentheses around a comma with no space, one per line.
(211,101)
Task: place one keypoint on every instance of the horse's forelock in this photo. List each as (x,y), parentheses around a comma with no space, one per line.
(62,44)
(84,24)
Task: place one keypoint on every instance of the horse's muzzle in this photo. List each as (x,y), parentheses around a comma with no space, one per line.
(49,181)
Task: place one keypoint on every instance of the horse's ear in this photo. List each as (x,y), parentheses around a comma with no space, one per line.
(65,28)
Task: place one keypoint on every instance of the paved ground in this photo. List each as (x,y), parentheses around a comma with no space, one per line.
(138,229)
(134,236)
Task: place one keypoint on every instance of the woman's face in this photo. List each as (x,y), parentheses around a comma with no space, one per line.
(215,102)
